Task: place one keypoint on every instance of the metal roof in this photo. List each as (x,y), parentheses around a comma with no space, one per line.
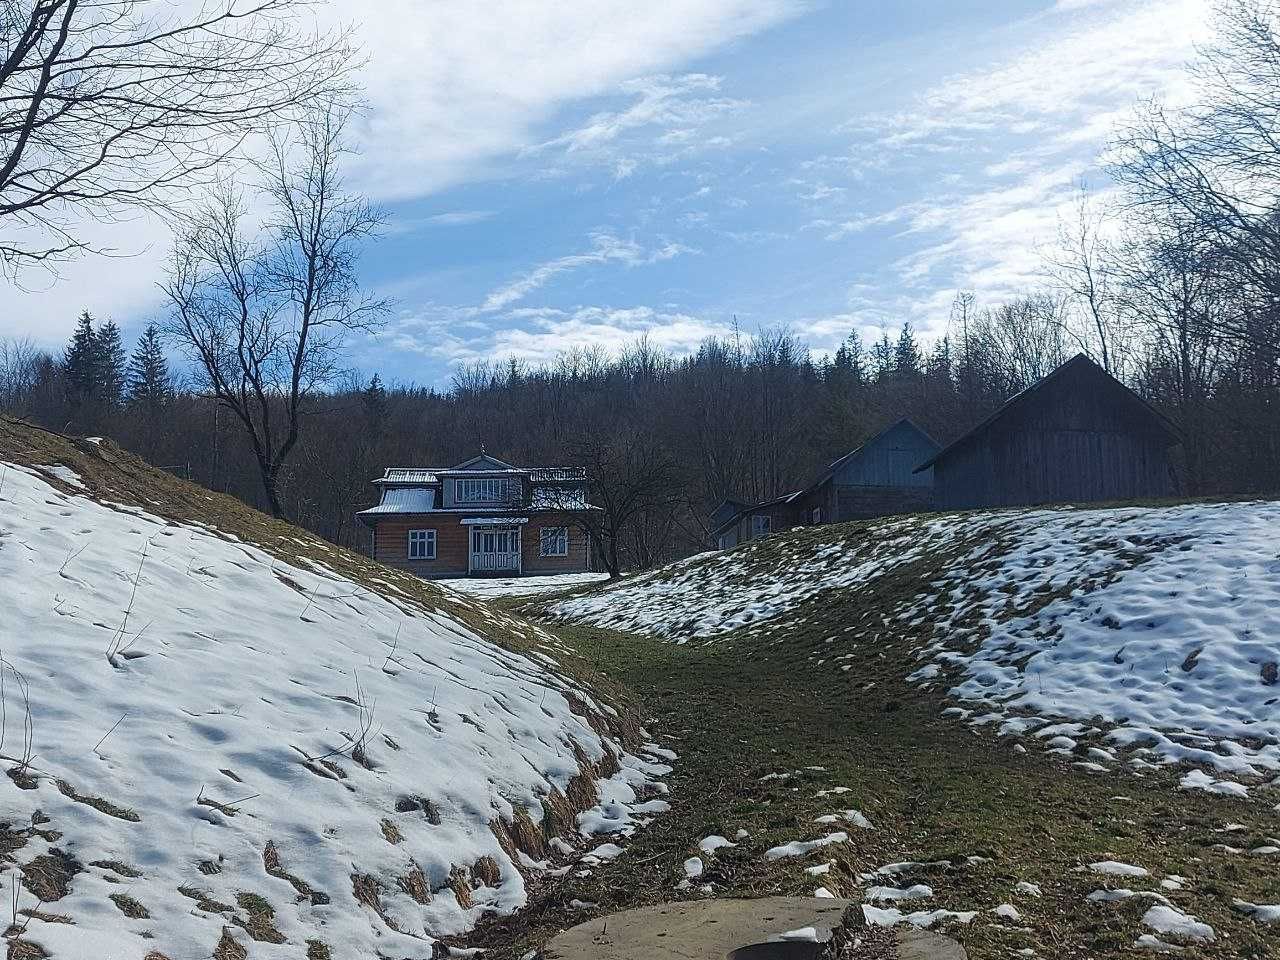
(404,500)
(408,475)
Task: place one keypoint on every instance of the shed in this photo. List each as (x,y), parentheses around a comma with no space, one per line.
(876,479)
(1077,435)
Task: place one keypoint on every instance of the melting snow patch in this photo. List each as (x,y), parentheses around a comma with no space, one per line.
(805,934)
(1199,780)
(713,843)
(1030,889)
(693,868)
(798,848)
(918,891)
(890,916)
(1116,869)
(1264,913)
(1166,919)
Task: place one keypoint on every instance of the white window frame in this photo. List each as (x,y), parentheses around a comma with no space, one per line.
(481,490)
(421,545)
(561,545)
(761,525)
(816,516)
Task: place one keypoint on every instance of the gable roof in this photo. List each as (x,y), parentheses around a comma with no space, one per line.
(1080,363)
(837,464)
(491,463)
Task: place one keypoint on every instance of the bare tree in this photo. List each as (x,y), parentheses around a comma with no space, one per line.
(266,315)
(113,104)
(1083,269)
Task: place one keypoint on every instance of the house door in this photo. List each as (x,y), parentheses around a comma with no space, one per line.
(495,550)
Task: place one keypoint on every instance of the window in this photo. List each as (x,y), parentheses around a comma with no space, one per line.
(483,490)
(554,542)
(422,544)
(817,514)
(760,525)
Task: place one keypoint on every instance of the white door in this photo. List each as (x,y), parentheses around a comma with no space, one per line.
(495,550)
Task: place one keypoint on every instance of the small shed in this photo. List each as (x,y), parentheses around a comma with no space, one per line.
(877,479)
(1076,436)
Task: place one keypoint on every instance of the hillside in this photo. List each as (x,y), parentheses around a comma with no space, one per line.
(1152,631)
(1045,733)
(223,735)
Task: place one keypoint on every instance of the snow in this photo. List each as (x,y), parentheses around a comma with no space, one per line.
(891,916)
(1166,919)
(918,891)
(714,593)
(804,934)
(1263,913)
(1007,911)
(246,682)
(1115,868)
(521,586)
(1029,889)
(693,867)
(1163,623)
(798,848)
(1150,631)
(711,844)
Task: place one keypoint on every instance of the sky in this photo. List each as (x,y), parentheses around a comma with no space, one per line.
(578,173)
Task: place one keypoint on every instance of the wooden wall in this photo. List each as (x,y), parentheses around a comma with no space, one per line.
(1079,439)
(391,545)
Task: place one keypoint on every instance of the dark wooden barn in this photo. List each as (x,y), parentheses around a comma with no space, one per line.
(877,479)
(1077,436)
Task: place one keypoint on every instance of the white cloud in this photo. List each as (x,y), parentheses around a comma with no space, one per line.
(605,248)
(1023,133)
(456,87)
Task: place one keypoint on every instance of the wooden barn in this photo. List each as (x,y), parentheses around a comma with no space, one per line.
(1077,436)
(876,479)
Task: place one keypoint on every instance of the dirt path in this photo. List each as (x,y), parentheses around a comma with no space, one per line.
(770,741)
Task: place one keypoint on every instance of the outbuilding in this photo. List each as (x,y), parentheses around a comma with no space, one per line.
(1078,435)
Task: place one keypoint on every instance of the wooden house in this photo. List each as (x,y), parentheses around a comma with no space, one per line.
(481,517)
(1076,436)
(876,479)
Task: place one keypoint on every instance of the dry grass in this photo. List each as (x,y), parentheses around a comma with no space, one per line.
(414,883)
(228,948)
(487,871)
(391,832)
(116,866)
(271,863)
(130,907)
(261,918)
(100,804)
(48,877)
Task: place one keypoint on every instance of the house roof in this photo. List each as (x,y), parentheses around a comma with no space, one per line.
(1078,363)
(404,476)
(404,500)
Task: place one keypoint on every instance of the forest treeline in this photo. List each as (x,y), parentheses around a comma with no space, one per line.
(1170,280)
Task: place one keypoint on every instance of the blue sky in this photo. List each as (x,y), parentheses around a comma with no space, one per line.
(579,173)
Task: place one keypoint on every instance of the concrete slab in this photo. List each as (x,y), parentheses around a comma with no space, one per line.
(712,929)
(696,929)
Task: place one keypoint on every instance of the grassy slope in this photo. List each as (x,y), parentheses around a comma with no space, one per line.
(747,706)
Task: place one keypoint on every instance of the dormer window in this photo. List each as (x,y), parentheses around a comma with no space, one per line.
(483,490)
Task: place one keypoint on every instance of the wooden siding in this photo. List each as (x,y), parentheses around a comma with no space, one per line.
(1078,439)
(865,502)
(889,460)
(391,545)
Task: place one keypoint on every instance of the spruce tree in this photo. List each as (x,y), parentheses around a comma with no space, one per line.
(110,365)
(907,363)
(374,400)
(79,361)
(149,386)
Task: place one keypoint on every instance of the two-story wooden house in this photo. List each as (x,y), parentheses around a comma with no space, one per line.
(481,517)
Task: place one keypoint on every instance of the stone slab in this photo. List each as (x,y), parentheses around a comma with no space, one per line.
(712,929)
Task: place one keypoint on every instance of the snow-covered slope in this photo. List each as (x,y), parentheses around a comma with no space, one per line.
(716,593)
(1155,632)
(206,742)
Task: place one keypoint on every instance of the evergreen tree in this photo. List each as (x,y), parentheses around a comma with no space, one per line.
(906,355)
(79,361)
(110,366)
(882,358)
(149,386)
(374,401)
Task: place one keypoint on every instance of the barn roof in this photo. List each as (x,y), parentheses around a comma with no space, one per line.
(858,450)
(1077,364)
